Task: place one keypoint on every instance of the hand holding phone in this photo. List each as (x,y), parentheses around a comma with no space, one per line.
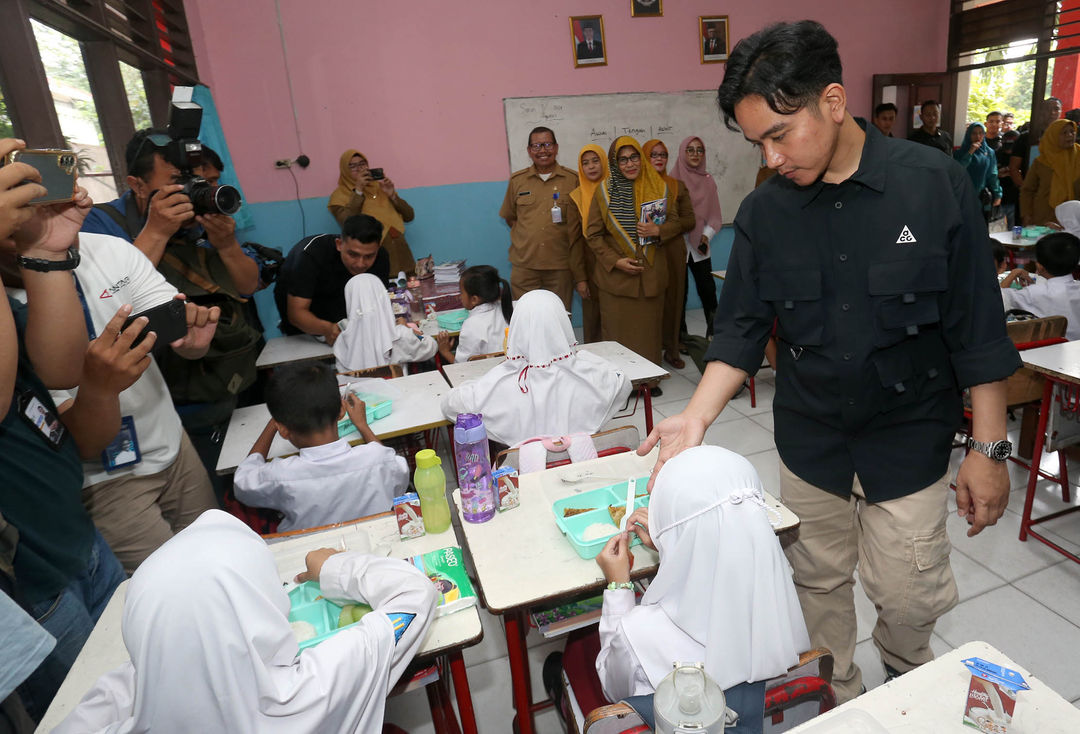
(376,174)
(58,171)
(168,321)
(113,362)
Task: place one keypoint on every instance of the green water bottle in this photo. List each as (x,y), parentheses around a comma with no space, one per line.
(431,486)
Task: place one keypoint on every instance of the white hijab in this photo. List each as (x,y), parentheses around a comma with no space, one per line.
(545,387)
(723,594)
(369,335)
(205,622)
(1068,215)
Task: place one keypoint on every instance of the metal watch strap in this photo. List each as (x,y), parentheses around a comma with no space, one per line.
(41,265)
(988,448)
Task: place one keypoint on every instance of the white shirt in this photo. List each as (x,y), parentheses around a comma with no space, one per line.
(1058,296)
(323,484)
(113,272)
(620,671)
(482,332)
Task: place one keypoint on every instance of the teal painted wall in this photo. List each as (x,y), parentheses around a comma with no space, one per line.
(459,221)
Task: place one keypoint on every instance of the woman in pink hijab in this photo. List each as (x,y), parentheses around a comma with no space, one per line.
(690,169)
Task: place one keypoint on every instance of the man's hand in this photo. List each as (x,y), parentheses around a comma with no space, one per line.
(997,202)
(331,334)
(982,491)
(220,230)
(168,211)
(615,559)
(15,210)
(629,265)
(53,228)
(112,365)
(582,287)
(201,325)
(314,561)
(388,188)
(675,435)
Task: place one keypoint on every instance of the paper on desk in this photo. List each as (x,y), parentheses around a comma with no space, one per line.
(289,554)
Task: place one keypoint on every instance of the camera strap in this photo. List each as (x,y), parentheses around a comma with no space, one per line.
(195,277)
(91,333)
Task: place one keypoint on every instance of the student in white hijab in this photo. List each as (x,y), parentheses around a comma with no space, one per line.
(723,594)
(545,387)
(372,338)
(1068,215)
(205,623)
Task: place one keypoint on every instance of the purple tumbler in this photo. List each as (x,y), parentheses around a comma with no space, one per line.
(478,495)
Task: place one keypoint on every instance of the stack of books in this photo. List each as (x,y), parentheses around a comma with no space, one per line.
(449,272)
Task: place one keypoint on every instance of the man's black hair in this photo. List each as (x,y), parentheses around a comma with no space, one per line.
(304,397)
(211,156)
(786,64)
(929,102)
(994,112)
(362,227)
(1073,115)
(542,129)
(1058,253)
(139,156)
(884,107)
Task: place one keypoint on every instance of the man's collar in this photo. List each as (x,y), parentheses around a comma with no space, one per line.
(871,172)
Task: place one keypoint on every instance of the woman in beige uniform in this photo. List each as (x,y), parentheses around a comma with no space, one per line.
(592,171)
(629,276)
(680,220)
(358,193)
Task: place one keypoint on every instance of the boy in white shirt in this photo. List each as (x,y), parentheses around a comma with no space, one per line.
(329,481)
(1055,292)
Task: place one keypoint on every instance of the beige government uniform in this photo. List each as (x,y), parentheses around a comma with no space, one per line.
(679,221)
(582,264)
(539,248)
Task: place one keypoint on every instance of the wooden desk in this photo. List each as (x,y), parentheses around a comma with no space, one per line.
(639,370)
(1060,365)
(448,636)
(931,699)
(522,559)
(298,348)
(417,409)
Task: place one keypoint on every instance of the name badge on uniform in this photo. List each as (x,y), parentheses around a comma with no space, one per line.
(124,449)
(42,418)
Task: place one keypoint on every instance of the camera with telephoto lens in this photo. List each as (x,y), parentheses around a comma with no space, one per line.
(185,151)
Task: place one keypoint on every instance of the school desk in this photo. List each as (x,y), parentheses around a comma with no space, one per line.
(416,408)
(1017,252)
(931,698)
(1060,365)
(446,638)
(522,559)
(640,370)
(298,348)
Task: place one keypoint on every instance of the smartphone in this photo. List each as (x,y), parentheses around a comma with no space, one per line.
(59,170)
(376,174)
(169,321)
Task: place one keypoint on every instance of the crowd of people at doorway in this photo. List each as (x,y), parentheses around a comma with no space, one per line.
(999,161)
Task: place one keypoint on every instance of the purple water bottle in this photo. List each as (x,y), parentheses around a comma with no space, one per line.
(478,495)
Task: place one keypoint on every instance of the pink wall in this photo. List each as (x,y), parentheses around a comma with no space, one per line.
(418,85)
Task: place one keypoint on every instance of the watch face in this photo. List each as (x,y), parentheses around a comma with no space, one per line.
(1001,450)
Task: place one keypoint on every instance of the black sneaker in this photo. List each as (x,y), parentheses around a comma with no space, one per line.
(891,672)
(656,391)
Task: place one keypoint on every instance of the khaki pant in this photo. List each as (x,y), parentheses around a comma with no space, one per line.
(136,515)
(559,282)
(902,552)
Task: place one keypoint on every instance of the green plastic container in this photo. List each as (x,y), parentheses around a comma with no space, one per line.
(451,320)
(574,526)
(322,614)
(375,407)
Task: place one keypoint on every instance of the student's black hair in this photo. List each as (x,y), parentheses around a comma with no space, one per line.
(211,156)
(1058,253)
(362,227)
(484,282)
(787,64)
(139,155)
(542,129)
(998,249)
(304,397)
(929,102)
(884,107)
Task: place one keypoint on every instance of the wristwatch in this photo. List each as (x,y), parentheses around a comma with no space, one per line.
(42,265)
(996,450)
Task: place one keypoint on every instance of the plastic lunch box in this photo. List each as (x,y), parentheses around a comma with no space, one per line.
(376,407)
(451,320)
(322,614)
(574,526)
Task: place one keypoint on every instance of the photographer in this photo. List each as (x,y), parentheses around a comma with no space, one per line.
(200,256)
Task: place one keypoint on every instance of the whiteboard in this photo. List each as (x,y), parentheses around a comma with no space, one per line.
(670,116)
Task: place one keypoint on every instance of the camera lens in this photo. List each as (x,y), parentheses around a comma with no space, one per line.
(210,199)
(227,199)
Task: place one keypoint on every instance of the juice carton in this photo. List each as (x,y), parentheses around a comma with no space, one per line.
(410,519)
(506,479)
(991,697)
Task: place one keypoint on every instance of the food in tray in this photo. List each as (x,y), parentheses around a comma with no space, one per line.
(598,530)
(352,613)
(303,630)
(571,511)
(616,512)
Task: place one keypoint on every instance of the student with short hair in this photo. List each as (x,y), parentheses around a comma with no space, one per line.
(1054,292)
(487,298)
(329,481)
(372,336)
(884,118)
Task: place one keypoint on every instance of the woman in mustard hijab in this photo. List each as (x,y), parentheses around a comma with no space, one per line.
(1054,176)
(630,273)
(592,171)
(358,193)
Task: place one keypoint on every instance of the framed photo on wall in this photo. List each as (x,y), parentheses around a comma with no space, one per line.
(713,38)
(646,8)
(587,40)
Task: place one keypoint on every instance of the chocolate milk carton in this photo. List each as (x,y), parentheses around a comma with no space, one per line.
(991,697)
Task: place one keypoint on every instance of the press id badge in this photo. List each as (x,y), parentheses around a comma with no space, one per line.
(124,449)
(43,419)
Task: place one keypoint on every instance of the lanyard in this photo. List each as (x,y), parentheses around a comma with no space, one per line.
(90,332)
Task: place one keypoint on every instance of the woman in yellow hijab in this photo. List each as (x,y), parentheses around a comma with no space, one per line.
(630,274)
(592,171)
(1054,176)
(358,193)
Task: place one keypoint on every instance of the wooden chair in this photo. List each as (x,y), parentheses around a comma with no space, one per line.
(385,371)
(477,357)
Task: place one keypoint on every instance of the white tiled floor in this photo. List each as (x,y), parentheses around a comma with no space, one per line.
(1022,598)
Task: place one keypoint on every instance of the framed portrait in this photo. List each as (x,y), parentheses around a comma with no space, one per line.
(646,8)
(713,38)
(587,40)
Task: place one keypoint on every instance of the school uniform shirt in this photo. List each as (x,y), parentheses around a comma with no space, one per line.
(113,273)
(482,332)
(371,338)
(1058,296)
(206,625)
(888,306)
(323,484)
(723,594)
(535,241)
